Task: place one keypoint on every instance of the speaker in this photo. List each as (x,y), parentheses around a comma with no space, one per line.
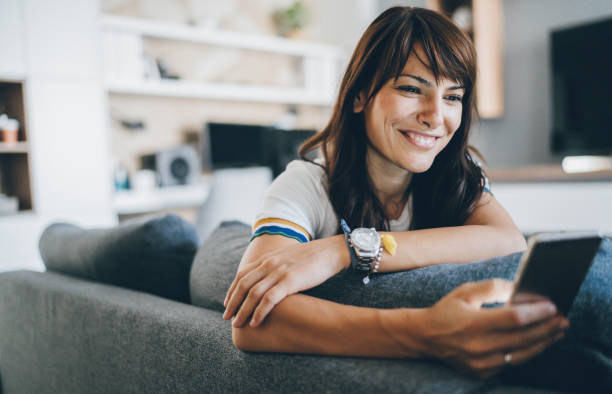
(179,166)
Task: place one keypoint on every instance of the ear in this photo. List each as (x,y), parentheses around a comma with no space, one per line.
(359,103)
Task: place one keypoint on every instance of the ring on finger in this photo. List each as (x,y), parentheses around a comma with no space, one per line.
(507,359)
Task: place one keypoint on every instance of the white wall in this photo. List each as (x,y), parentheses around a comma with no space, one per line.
(56,49)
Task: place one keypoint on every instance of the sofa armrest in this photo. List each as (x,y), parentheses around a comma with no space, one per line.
(63,334)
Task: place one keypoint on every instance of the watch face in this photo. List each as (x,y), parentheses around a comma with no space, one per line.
(365,239)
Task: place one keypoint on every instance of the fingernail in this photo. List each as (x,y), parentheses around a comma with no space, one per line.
(551,308)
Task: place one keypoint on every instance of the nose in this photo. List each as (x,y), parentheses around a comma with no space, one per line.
(430,115)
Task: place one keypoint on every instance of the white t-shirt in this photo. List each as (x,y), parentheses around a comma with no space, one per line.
(297,205)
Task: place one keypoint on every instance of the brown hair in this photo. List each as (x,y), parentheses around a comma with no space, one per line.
(447,192)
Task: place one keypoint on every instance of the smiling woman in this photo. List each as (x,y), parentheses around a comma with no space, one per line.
(410,120)
(394,163)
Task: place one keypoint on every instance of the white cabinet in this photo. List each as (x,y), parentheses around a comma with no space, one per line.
(55,52)
(545,198)
(123,42)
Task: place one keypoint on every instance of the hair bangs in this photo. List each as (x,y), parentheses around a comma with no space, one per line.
(455,61)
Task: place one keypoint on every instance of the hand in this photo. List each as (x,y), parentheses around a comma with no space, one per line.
(474,339)
(261,284)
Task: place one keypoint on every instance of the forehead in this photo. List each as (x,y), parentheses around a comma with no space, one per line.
(417,64)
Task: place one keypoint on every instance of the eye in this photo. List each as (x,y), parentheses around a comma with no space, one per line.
(454,98)
(409,89)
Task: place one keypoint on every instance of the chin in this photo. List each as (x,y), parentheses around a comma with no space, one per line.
(417,166)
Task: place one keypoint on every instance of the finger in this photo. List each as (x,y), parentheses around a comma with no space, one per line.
(272,297)
(254,297)
(241,289)
(526,353)
(491,363)
(487,291)
(500,340)
(229,291)
(517,316)
(239,275)
(534,333)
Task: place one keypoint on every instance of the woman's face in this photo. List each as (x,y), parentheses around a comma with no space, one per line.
(411,119)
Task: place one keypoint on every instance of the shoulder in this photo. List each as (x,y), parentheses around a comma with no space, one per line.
(305,168)
(300,175)
(298,196)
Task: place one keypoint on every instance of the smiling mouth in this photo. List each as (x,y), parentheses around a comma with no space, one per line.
(420,140)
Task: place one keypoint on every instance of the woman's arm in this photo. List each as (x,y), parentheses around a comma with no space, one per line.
(488,232)
(275,266)
(456,330)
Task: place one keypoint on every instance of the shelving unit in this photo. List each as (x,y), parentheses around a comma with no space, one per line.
(124,70)
(15,157)
(216,91)
(315,72)
(19,147)
(483,21)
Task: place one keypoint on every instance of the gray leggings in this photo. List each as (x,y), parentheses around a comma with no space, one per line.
(581,362)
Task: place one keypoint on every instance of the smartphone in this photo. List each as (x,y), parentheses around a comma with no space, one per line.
(554,266)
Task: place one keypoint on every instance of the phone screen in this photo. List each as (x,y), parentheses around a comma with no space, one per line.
(554,267)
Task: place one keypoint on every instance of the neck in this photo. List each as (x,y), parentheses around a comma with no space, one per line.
(390,182)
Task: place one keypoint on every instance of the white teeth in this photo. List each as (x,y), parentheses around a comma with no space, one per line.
(421,140)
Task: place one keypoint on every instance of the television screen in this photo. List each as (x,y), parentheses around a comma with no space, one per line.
(227,145)
(581,60)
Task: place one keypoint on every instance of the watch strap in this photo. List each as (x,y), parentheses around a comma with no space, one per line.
(347,238)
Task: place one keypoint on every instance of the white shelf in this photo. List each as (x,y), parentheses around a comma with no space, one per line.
(131,202)
(125,66)
(16,147)
(224,38)
(217,91)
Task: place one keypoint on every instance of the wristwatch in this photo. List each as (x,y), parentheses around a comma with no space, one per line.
(367,246)
(364,246)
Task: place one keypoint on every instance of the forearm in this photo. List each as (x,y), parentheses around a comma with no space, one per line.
(304,324)
(462,244)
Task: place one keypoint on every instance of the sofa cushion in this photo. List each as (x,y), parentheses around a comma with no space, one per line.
(153,255)
(216,263)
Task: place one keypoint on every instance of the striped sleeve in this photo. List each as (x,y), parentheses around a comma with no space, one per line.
(275,226)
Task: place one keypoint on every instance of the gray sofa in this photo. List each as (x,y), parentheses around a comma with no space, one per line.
(63,333)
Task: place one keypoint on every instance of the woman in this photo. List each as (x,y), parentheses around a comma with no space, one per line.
(394,158)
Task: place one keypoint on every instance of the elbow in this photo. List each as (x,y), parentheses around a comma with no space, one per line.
(516,242)
(249,339)
(241,339)
(521,243)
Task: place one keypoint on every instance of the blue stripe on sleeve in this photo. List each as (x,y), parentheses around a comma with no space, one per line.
(277,230)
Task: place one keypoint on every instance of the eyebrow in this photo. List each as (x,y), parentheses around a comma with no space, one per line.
(427,83)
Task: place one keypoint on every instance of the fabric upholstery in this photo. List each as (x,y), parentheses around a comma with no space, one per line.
(61,334)
(587,347)
(153,255)
(216,264)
